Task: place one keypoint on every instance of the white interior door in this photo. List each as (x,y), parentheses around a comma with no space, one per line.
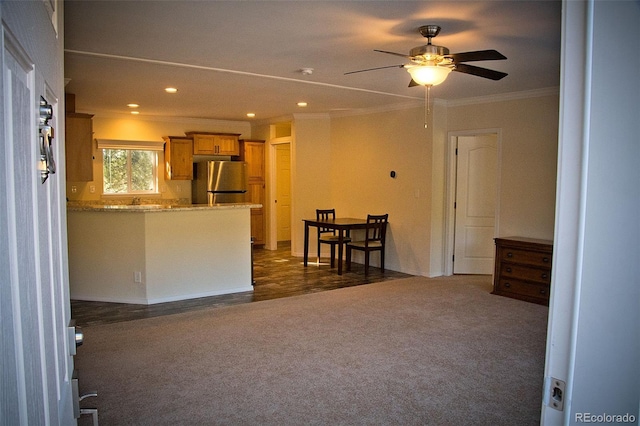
(36,365)
(283,191)
(475,204)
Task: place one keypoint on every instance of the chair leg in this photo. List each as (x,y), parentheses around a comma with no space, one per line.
(348,258)
(382,260)
(366,263)
(333,254)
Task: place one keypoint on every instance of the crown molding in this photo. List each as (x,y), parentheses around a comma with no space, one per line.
(536,93)
(548,91)
(311,116)
(375,110)
(272,120)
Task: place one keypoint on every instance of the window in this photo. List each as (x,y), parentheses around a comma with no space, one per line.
(129,167)
(129,171)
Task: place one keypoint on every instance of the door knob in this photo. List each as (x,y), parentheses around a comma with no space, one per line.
(75,335)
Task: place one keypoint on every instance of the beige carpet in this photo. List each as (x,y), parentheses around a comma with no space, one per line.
(416,351)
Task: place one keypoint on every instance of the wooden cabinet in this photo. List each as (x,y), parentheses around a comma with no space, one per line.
(178,158)
(79,147)
(205,143)
(253,152)
(523,269)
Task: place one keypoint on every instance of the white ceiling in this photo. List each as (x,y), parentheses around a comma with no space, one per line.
(228,58)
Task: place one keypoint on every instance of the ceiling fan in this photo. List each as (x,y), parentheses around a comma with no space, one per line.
(431,64)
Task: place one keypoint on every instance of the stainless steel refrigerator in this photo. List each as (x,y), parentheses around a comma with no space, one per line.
(219,182)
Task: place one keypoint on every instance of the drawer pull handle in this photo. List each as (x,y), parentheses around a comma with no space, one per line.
(507,285)
(509,254)
(544,276)
(545,259)
(508,269)
(543,291)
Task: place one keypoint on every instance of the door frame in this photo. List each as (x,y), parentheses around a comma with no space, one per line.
(272,215)
(450,190)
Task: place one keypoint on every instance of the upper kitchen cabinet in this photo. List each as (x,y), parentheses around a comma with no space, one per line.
(78,143)
(206,143)
(178,158)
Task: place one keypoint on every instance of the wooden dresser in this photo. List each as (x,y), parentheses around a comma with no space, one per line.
(523,269)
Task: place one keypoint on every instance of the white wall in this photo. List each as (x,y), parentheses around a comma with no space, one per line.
(181,254)
(364,150)
(312,163)
(529,128)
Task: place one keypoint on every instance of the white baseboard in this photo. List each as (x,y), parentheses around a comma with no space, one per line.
(143,301)
(198,295)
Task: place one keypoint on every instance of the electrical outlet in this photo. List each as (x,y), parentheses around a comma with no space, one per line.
(74,189)
(137,277)
(92,189)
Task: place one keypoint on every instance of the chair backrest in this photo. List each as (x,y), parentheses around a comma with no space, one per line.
(327,214)
(376,227)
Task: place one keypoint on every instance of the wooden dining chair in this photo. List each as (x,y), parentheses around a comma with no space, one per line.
(328,236)
(374,240)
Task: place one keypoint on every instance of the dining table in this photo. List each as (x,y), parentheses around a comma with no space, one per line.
(343,226)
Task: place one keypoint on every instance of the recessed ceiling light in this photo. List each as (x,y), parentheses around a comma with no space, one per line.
(302,104)
(171,90)
(133,105)
(135,112)
(251,114)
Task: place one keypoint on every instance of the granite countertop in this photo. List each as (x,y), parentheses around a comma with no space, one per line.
(152,208)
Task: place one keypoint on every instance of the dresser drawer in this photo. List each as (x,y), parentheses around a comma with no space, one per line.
(524,272)
(523,290)
(529,257)
(523,269)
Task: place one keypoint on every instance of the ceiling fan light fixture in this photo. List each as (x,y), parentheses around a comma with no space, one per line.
(429,75)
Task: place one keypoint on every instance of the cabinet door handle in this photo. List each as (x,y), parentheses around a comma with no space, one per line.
(509,269)
(507,285)
(509,254)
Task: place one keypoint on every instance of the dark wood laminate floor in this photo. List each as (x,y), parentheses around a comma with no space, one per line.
(276,274)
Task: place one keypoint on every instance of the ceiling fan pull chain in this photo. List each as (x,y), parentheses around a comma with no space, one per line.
(426,104)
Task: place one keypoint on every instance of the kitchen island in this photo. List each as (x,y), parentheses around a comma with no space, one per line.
(147,254)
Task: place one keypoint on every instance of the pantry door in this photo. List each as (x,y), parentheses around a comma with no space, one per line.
(283,191)
(475,205)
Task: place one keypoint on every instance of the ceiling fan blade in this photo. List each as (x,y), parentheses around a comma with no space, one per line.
(373,69)
(480,72)
(393,53)
(480,55)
